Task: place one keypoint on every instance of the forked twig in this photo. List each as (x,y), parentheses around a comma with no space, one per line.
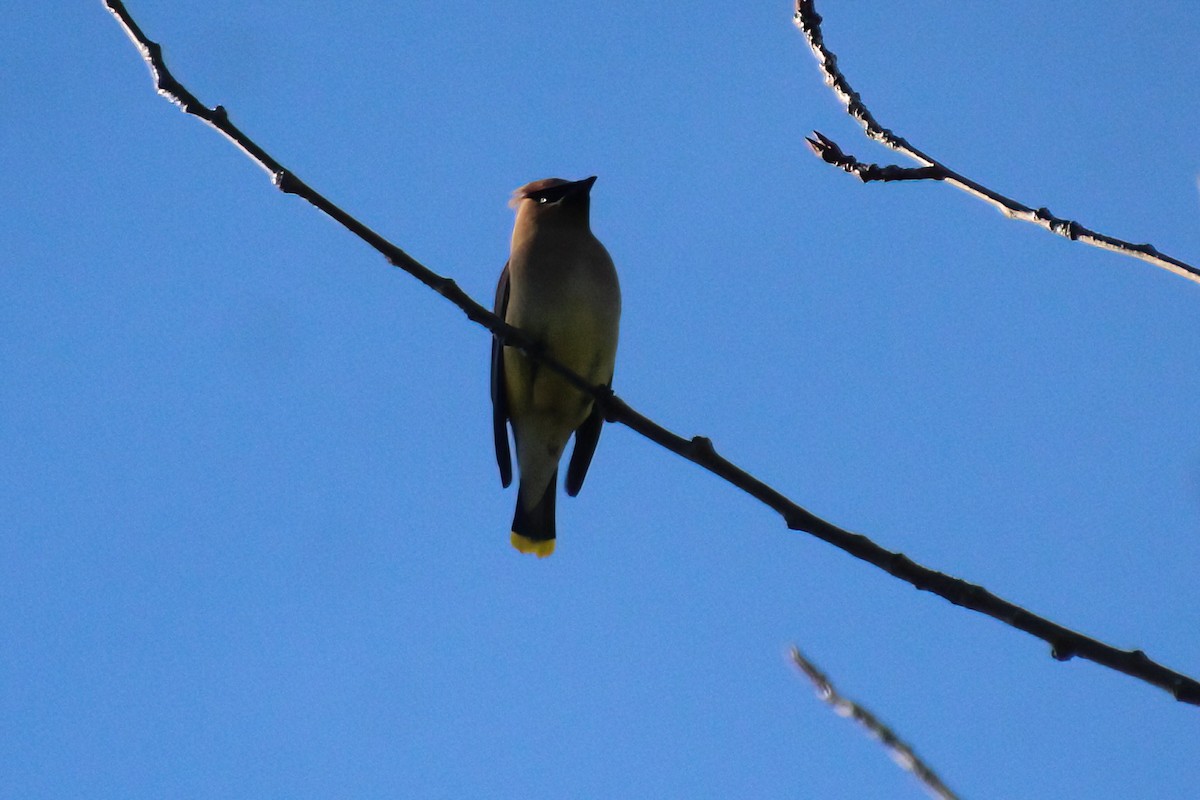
(809,22)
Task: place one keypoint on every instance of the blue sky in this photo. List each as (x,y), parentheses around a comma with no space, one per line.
(252,538)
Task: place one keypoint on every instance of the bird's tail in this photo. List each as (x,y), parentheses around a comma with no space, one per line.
(533,528)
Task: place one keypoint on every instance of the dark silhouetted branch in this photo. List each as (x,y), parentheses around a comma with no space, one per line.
(900,752)
(699,450)
(809,22)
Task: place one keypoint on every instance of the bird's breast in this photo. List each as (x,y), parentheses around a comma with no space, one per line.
(567,297)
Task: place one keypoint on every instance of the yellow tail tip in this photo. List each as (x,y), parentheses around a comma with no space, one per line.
(541,549)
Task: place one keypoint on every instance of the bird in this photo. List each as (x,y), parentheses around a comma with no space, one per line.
(560,287)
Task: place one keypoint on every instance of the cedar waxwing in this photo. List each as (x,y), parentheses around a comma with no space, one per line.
(560,287)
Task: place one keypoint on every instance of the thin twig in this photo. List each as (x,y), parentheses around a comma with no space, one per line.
(900,752)
(809,22)
(1065,643)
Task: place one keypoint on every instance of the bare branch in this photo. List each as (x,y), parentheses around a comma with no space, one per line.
(900,752)
(809,22)
(699,450)
(828,151)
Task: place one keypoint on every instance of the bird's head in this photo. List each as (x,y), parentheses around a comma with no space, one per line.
(553,199)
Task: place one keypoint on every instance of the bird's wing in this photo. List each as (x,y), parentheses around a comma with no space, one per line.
(499,394)
(587,436)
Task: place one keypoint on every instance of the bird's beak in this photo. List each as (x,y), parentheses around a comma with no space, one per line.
(584,186)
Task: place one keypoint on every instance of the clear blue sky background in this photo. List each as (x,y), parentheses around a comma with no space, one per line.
(252,538)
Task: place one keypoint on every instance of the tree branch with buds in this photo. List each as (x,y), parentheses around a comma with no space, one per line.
(809,22)
(1064,642)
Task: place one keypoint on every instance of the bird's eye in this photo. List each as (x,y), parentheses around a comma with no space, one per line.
(542,200)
